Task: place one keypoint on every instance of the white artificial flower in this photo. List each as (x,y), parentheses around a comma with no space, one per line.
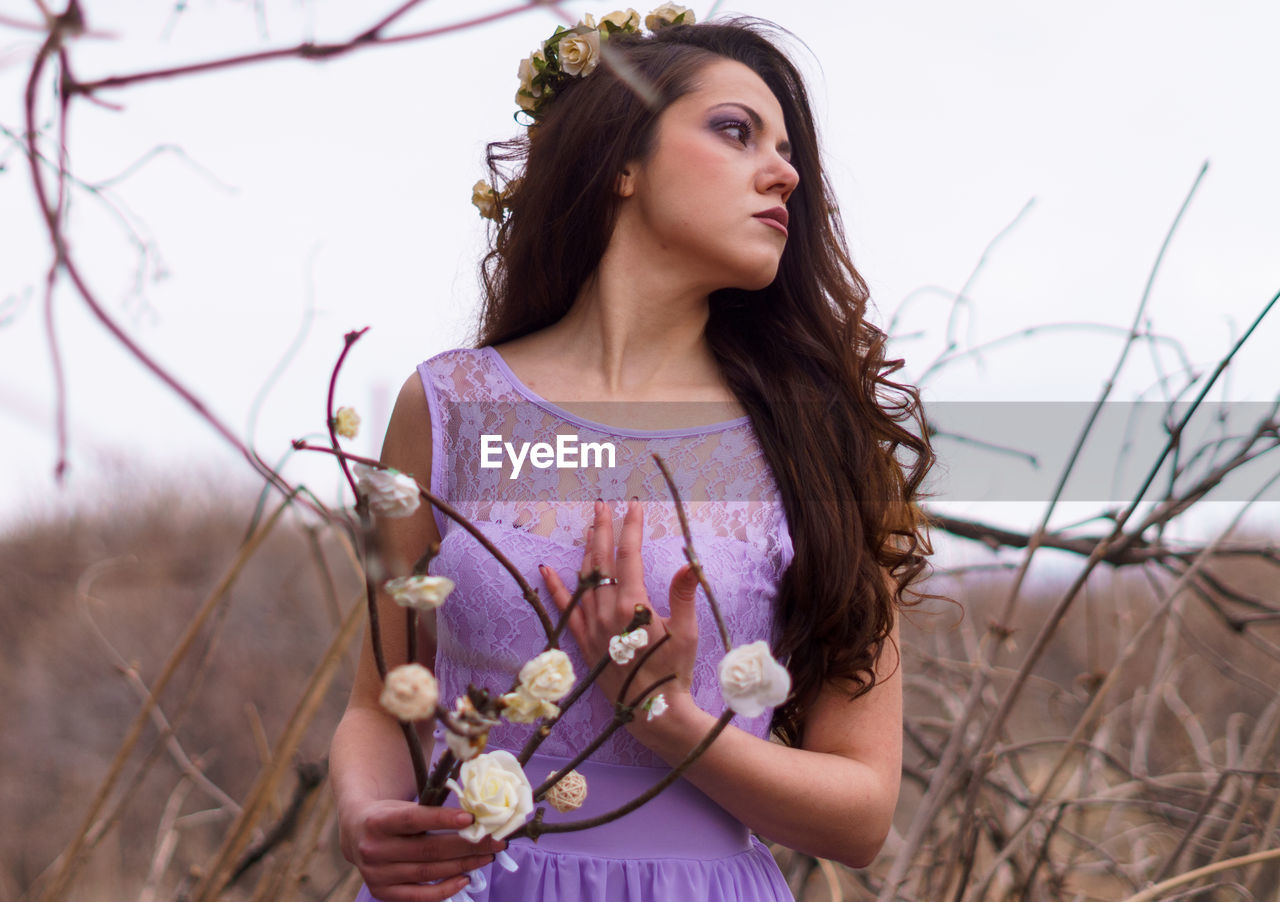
(410,692)
(569,794)
(486,199)
(656,706)
(549,676)
(622,647)
(521,707)
(668,14)
(465,748)
(496,792)
(580,54)
(751,680)
(390,492)
(627,21)
(346,422)
(587,21)
(528,93)
(620,651)
(424,593)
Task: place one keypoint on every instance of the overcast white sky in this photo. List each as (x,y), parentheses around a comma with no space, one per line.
(334,196)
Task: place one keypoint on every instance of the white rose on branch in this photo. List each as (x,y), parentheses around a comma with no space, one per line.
(390,492)
(751,680)
(549,676)
(346,422)
(410,692)
(521,707)
(656,706)
(424,593)
(496,792)
(622,647)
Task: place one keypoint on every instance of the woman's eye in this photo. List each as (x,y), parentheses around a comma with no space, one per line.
(740,131)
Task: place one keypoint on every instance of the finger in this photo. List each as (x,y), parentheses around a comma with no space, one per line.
(607,598)
(587,604)
(629,560)
(421,849)
(602,540)
(425,871)
(561,595)
(683,622)
(407,819)
(414,893)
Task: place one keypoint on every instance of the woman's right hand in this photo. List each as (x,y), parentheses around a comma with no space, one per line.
(400,846)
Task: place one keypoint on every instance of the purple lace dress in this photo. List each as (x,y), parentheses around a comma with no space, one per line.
(680,845)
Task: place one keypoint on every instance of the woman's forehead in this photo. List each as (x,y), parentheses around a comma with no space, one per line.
(729,81)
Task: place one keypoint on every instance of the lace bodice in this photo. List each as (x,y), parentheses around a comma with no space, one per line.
(486,630)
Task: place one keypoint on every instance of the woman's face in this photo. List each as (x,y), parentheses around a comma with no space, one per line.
(710,200)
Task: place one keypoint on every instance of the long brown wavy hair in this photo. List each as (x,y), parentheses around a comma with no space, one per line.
(799,355)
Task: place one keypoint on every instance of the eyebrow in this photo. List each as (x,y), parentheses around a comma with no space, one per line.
(784,147)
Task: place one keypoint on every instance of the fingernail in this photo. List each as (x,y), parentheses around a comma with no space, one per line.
(462,819)
(635,498)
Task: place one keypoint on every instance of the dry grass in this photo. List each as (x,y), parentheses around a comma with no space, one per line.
(91,604)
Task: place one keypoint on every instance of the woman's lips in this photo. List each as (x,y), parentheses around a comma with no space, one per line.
(772,222)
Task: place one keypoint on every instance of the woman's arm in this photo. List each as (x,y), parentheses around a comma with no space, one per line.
(833,798)
(369,764)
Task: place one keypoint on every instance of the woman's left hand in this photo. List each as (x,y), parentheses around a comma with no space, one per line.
(605,611)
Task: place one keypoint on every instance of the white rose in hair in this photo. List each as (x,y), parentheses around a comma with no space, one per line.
(549,676)
(580,54)
(425,593)
(410,692)
(390,492)
(496,791)
(668,14)
(751,680)
(629,20)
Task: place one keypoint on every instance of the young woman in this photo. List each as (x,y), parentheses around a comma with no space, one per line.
(666,235)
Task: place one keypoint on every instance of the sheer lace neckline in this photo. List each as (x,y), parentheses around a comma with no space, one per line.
(555,409)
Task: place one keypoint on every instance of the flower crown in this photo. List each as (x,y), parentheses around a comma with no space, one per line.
(570,53)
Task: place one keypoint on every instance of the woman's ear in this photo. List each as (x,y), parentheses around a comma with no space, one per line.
(625,184)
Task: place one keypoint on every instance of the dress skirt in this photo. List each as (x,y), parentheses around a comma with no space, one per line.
(679,846)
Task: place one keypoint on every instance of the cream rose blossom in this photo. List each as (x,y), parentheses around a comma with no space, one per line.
(580,54)
(496,792)
(410,692)
(346,422)
(486,200)
(627,21)
(751,680)
(656,706)
(528,93)
(569,794)
(668,14)
(390,492)
(425,593)
(549,676)
(622,647)
(521,707)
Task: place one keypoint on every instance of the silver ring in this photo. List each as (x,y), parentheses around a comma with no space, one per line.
(607,581)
